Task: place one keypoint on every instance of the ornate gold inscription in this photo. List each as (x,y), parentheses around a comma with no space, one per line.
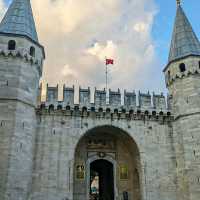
(80,172)
(124,172)
(100,144)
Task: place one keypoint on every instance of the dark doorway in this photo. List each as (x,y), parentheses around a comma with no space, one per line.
(101,180)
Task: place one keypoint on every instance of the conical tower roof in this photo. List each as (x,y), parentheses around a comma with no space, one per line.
(184,40)
(19,20)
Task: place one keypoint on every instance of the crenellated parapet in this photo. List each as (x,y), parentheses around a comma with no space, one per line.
(105,103)
(150,107)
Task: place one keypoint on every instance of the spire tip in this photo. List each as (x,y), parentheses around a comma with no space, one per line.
(178,2)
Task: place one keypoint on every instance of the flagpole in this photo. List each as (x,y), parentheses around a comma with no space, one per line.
(108,62)
(107,95)
(106,77)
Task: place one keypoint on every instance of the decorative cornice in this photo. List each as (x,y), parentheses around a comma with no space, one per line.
(22,53)
(153,115)
(178,59)
(182,75)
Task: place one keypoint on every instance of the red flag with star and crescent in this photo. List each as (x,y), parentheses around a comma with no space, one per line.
(109,61)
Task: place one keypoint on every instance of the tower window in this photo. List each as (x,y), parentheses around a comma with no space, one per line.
(168,75)
(182,67)
(32,51)
(11,45)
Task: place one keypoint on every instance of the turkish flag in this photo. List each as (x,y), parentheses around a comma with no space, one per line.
(109,61)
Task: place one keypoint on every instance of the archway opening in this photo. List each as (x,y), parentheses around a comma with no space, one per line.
(101,180)
(108,157)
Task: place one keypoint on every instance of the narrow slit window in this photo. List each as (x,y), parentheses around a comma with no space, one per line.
(182,67)
(32,51)
(169,75)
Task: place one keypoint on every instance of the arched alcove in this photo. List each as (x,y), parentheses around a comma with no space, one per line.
(101,145)
(182,67)
(11,45)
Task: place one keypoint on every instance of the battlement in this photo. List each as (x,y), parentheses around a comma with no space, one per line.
(103,101)
(84,97)
(130,99)
(115,98)
(68,95)
(100,97)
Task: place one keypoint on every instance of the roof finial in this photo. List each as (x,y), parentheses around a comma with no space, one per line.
(178,2)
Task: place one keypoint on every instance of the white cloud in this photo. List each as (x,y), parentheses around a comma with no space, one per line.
(68,71)
(141,27)
(103,51)
(79,34)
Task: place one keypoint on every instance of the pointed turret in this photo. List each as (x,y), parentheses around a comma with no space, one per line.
(184,40)
(19,20)
(182,72)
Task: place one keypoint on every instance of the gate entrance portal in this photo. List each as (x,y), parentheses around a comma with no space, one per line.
(107,166)
(101,180)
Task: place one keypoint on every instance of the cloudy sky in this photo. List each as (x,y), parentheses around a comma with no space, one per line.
(79,34)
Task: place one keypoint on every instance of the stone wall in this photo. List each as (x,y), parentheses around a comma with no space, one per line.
(17,131)
(59,132)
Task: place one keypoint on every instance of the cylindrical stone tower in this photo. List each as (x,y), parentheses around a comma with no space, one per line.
(183,82)
(21,60)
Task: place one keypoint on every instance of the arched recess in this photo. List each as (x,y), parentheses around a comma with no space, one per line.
(11,45)
(119,148)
